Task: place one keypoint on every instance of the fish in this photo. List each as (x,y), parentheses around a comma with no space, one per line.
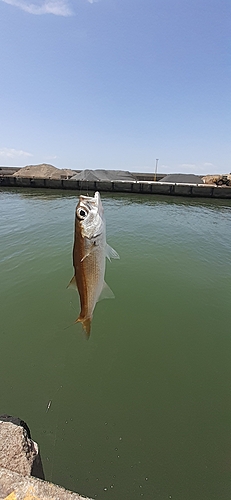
(90,250)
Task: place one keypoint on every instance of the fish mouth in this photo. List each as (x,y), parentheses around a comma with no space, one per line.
(88,201)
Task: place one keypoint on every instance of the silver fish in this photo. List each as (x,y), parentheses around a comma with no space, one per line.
(89,252)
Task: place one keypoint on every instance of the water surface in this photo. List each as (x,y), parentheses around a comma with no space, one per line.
(142,409)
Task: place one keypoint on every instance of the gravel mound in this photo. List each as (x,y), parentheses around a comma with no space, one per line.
(103,175)
(183,178)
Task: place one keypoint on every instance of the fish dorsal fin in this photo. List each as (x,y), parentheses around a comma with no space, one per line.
(72,283)
(106,293)
(111,253)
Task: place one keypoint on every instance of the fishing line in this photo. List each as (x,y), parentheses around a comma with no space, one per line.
(51,402)
(55,438)
(77,313)
(56,407)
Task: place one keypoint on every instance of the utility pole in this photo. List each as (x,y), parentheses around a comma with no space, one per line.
(157,159)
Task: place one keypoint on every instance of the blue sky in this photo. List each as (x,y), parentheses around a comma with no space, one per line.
(116,84)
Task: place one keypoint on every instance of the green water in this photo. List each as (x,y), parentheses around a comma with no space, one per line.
(142,409)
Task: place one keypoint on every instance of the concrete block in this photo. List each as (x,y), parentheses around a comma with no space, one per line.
(68,184)
(221,192)
(7,181)
(202,191)
(161,188)
(135,187)
(87,186)
(122,186)
(183,190)
(146,186)
(104,186)
(53,183)
(37,183)
(22,181)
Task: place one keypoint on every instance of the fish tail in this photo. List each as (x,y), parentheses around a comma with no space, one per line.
(86,323)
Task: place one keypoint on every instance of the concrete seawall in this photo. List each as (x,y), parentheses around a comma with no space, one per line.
(145,187)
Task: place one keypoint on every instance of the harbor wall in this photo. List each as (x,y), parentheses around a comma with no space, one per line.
(145,187)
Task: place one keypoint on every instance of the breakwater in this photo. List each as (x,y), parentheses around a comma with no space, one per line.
(145,187)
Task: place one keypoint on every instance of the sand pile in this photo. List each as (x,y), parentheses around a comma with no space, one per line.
(66,173)
(44,171)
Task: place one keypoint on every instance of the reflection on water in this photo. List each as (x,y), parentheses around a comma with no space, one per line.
(143,408)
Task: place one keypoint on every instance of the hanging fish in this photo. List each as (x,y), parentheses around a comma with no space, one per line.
(89,252)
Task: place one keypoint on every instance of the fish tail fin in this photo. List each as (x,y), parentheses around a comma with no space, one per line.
(86,324)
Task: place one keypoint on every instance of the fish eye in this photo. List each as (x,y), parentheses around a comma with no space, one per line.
(81,213)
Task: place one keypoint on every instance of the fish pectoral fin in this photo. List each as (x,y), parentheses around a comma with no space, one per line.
(106,293)
(72,283)
(111,253)
(84,257)
(88,253)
